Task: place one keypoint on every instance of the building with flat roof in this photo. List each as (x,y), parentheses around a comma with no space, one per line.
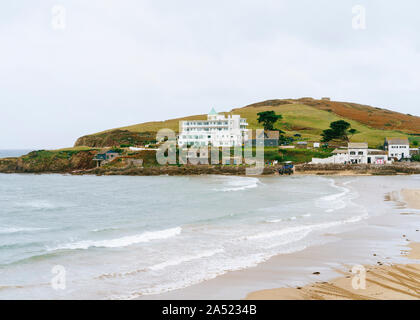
(218,130)
(355,153)
(398,148)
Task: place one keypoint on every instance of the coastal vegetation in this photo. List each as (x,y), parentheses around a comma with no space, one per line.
(123,138)
(415,157)
(63,160)
(306,117)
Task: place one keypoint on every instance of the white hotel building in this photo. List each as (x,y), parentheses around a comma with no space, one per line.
(217,130)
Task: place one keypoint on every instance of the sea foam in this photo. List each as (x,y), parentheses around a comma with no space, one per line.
(183,259)
(302,231)
(239,184)
(124,241)
(7,230)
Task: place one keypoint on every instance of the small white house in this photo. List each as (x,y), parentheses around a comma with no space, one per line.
(355,153)
(397,148)
(358,152)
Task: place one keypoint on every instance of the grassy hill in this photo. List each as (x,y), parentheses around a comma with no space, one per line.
(305,116)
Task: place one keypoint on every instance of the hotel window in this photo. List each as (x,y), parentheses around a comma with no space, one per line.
(352,153)
(360,153)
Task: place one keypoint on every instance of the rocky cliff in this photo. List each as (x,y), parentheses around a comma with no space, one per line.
(43,161)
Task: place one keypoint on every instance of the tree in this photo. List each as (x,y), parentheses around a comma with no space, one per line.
(268,118)
(352,132)
(338,130)
(328,135)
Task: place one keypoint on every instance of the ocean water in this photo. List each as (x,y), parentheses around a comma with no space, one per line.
(120,237)
(6,153)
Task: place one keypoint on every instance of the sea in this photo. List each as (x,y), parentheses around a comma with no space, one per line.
(7,153)
(127,237)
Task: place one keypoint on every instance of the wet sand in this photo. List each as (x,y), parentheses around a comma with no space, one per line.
(382,281)
(411,197)
(400,281)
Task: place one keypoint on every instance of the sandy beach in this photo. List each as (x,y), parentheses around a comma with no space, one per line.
(411,197)
(382,281)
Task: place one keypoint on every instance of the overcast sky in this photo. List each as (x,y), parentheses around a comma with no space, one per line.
(121,62)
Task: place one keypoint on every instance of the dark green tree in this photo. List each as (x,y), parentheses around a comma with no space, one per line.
(328,135)
(268,119)
(338,130)
(352,132)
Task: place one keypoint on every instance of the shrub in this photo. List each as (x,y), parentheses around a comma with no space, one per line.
(415,157)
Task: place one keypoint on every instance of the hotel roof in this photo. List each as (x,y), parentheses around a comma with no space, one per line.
(212,112)
(377,152)
(399,141)
(358,145)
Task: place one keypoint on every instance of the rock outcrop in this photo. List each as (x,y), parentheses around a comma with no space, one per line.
(43,161)
(116,138)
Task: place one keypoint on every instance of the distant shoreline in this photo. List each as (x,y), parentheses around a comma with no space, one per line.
(187,170)
(79,162)
(8,153)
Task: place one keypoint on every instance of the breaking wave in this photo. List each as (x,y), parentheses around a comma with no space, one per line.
(124,241)
(239,183)
(8,230)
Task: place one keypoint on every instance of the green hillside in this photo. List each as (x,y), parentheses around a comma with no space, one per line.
(310,122)
(301,118)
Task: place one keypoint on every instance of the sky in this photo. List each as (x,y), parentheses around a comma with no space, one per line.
(74,67)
